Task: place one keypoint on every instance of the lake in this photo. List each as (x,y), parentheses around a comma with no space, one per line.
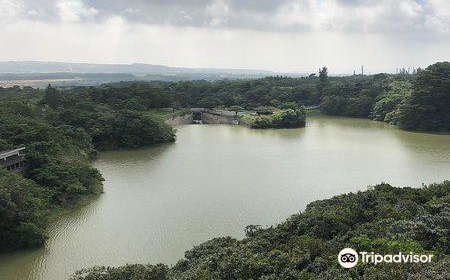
(215,180)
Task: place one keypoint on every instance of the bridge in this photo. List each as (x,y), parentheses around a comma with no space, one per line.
(13,160)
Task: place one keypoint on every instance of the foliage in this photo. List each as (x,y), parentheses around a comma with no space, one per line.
(52,97)
(427,108)
(128,272)
(62,130)
(353,96)
(248,94)
(116,123)
(129,129)
(323,75)
(24,94)
(210,102)
(236,109)
(418,102)
(265,110)
(290,105)
(412,101)
(22,212)
(386,107)
(281,119)
(383,219)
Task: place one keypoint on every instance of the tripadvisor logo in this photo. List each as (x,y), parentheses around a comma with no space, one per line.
(348,258)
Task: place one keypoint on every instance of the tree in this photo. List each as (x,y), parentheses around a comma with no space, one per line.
(252,230)
(52,97)
(210,102)
(135,103)
(236,109)
(334,105)
(290,105)
(280,119)
(323,75)
(265,110)
(129,129)
(21,212)
(387,104)
(323,80)
(428,106)
(176,105)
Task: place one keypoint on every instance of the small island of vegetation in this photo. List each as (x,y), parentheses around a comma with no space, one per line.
(290,118)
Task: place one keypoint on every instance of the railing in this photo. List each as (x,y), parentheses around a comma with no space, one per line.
(12,161)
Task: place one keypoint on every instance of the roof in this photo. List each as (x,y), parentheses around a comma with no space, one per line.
(9,153)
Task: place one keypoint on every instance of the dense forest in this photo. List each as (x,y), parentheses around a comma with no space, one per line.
(417,101)
(62,131)
(383,219)
(64,128)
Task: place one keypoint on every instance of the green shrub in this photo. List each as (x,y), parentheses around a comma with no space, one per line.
(281,119)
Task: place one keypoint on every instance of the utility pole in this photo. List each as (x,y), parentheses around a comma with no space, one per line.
(362,70)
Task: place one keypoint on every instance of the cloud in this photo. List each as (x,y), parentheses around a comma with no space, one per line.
(9,10)
(118,41)
(218,10)
(74,10)
(402,17)
(293,35)
(440,18)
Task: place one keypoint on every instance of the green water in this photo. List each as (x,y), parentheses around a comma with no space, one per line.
(215,180)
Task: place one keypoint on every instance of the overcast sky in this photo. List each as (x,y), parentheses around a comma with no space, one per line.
(280,35)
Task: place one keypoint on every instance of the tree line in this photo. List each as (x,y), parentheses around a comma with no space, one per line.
(418,101)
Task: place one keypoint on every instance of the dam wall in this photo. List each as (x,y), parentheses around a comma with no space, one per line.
(208,118)
(205,116)
(179,120)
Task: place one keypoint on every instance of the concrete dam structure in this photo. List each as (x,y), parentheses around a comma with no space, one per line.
(205,116)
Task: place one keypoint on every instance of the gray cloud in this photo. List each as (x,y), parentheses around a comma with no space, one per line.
(402,17)
(284,35)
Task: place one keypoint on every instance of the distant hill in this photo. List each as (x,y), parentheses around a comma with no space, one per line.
(40,74)
(135,68)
